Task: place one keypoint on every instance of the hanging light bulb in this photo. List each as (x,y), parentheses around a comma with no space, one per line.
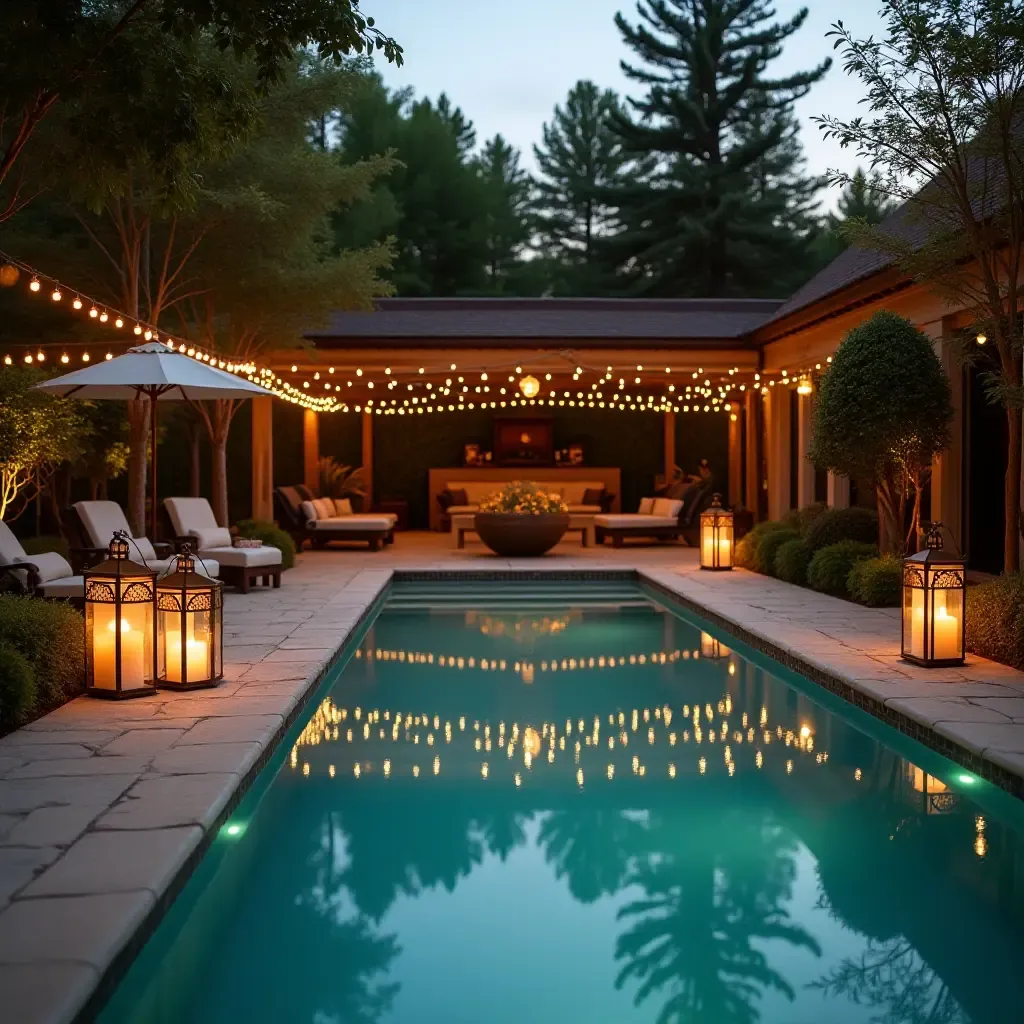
(28,357)
(34,284)
(94,312)
(804,387)
(119,322)
(65,358)
(109,355)
(137,328)
(77,303)
(56,294)
(85,357)
(40,356)
(8,360)
(104,317)
(529,386)
(147,335)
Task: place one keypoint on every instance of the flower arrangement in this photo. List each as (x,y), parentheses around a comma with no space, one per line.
(524,498)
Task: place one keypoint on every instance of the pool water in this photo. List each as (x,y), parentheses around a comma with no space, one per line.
(576,804)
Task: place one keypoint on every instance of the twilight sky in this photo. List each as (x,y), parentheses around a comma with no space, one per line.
(508,64)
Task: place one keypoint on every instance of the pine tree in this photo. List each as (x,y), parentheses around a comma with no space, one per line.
(859,202)
(713,123)
(461,126)
(579,160)
(507,196)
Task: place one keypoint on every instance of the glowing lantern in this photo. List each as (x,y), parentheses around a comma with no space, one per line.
(531,741)
(190,638)
(119,599)
(716,536)
(933,605)
(530,386)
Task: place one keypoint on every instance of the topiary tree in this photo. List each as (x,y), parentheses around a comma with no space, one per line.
(884,409)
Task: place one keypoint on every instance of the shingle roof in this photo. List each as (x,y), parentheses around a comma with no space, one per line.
(594,319)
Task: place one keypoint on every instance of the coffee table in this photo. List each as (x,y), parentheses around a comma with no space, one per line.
(466,523)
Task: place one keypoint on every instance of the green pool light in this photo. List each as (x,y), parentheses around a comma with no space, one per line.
(967,780)
(233,830)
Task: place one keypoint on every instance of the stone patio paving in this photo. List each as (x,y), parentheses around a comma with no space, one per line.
(105,807)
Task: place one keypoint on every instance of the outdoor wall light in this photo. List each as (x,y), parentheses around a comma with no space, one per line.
(120,660)
(933,632)
(530,386)
(716,535)
(190,638)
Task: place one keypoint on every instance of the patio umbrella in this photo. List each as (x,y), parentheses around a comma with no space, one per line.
(151,371)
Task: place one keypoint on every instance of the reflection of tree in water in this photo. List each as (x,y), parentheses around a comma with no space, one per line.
(892,980)
(591,849)
(691,940)
(501,831)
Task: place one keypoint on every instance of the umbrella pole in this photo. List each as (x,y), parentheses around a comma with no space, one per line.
(152,440)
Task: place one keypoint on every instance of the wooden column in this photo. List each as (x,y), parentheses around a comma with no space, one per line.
(263,458)
(777,410)
(752,483)
(368,458)
(838,491)
(670,445)
(948,465)
(311,450)
(735,495)
(805,468)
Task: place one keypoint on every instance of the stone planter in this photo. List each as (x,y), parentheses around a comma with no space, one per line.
(517,535)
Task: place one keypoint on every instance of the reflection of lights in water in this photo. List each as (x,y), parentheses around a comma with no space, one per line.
(789,767)
(857,775)
(531,741)
(483,770)
(702,765)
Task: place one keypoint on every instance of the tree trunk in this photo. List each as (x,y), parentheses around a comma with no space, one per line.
(1011,542)
(219,477)
(138,442)
(890,530)
(194,475)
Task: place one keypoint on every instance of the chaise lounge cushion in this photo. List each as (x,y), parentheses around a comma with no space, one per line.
(667,507)
(245,558)
(102,519)
(50,565)
(344,524)
(634,521)
(65,588)
(194,517)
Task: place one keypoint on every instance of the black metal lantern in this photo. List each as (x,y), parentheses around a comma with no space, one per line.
(933,632)
(716,536)
(189,633)
(120,660)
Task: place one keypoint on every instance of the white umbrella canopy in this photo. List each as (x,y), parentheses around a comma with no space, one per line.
(158,373)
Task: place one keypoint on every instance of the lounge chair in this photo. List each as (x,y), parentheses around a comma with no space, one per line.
(92,524)
(194,523)
(45,575)
(322,520)
(657,519)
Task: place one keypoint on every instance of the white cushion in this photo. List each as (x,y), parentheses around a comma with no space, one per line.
(342,506)
(190,515)
(66,587)
(10,546)
(666,507)
(324,508)
(102,519)
(341,524)
(646,506)
(141,548)
(634,520)
(51,565)
(212,537)
(462,510)
(309,510)
(265,555)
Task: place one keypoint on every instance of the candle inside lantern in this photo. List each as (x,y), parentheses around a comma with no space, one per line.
(196,658)
(946,626)
(133,656)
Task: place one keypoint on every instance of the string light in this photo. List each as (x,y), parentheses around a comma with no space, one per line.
(56,294)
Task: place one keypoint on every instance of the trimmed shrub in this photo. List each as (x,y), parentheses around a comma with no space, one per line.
(838,524)
(830,567)
(40,545)
(995,619)
(271,535)
(877,582)
(801,518)
(748,550)
(791,561)
(17,687)
(51,636)
(770,544)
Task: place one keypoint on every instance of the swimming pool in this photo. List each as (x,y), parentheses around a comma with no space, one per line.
(573,802)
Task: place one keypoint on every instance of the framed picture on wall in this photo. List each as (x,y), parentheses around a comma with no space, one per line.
(471,454)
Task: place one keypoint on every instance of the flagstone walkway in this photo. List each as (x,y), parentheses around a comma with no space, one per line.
(105,807)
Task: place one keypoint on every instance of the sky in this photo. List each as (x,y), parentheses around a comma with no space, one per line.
(507,64)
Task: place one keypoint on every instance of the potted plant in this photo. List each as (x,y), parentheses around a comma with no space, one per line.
(521,521)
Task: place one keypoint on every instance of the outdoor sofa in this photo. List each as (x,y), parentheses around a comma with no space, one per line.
(583,497)
(323,520)
(193,523)
(44,575)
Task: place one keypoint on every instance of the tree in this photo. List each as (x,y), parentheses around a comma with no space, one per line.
(507,195)
(580,159)
(884,409)
(860,202)
(90,56)
(695,222)
(37,433)
(462,128)
(267,269)
(945,97)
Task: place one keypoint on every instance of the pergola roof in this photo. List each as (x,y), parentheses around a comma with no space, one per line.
(404,322)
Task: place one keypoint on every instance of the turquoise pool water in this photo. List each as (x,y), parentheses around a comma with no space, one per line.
(532,805)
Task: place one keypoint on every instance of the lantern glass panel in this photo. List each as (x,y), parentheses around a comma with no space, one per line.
(134,622)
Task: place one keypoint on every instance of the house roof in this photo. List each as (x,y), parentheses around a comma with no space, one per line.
(510,319)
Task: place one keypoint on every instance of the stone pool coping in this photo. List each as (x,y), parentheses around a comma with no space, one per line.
(106,808)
